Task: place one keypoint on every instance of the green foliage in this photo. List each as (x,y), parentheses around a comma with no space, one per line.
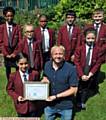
(56,14)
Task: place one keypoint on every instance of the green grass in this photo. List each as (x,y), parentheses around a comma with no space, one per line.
(96,105)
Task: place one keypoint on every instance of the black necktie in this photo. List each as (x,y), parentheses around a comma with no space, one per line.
(10,37)
(43,40)
(70,33)
(97,31)
(87,66)
(31,55)
(25,79)
(96,27)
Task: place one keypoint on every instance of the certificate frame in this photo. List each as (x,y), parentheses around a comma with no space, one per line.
(36,90)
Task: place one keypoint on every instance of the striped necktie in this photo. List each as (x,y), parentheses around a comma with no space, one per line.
(31,55)
(10,37)
(24,75)
(87,66)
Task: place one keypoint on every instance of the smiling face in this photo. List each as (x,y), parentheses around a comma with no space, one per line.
(9,17)
(29,31)
(58,55)
(23,64)
(90,38)
(98,17)
(70,19)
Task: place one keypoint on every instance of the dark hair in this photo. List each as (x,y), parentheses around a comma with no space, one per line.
(71,13)
(42,15)
(90,30)
(21,56)
(97,10)
(8,9)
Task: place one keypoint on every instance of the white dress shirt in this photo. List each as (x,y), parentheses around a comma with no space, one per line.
(31,43)
(9,26)
(47,38)
(91,51)
(22,75)
(70,29)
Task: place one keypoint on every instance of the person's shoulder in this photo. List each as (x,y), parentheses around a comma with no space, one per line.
(50,29)
(80,47)
(12,75)
(37,28)
(104,25)
(76,27)
(2,25)
(48,63)
(69,65)
(34,72)
(63,27)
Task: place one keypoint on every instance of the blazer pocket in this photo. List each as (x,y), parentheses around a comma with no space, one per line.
(102,39)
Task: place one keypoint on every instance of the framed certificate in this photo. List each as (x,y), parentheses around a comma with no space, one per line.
(36,90)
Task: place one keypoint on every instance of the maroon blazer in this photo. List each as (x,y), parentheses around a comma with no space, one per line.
(70,45)
(15,89)
(101,35)
(39,36)
(80,59)
(37,54)
(16,38)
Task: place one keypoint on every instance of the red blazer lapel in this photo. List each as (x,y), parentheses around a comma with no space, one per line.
(26,49)
(84,55)
(19,81)
(94,54)
(30,76)
(5,35)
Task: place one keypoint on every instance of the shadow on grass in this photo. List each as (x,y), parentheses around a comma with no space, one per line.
(91,92)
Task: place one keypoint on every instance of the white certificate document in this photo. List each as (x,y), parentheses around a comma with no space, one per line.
(36,90)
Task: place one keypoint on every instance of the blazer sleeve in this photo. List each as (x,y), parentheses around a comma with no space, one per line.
(77,62)
(11,88)
(59,37)
(98,63)
(17,50)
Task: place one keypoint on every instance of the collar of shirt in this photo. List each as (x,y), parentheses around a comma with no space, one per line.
(47,38)
(91,51)
(44,29)
(21,74)
(69,27)
(89,46)
(99,25)
(7,25)
(30,41)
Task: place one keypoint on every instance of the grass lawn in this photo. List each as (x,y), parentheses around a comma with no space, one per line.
(96,105)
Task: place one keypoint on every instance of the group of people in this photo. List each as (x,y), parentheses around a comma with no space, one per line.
(70,63)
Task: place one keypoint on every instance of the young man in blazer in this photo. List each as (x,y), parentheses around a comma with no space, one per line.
(45,36)
(10,36)
(88,62)
(69,35)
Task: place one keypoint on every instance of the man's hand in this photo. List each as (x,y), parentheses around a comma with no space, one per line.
(51,98)
(45,80)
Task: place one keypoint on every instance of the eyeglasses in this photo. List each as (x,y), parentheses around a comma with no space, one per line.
(29,31)
(9,15)
(43,21)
